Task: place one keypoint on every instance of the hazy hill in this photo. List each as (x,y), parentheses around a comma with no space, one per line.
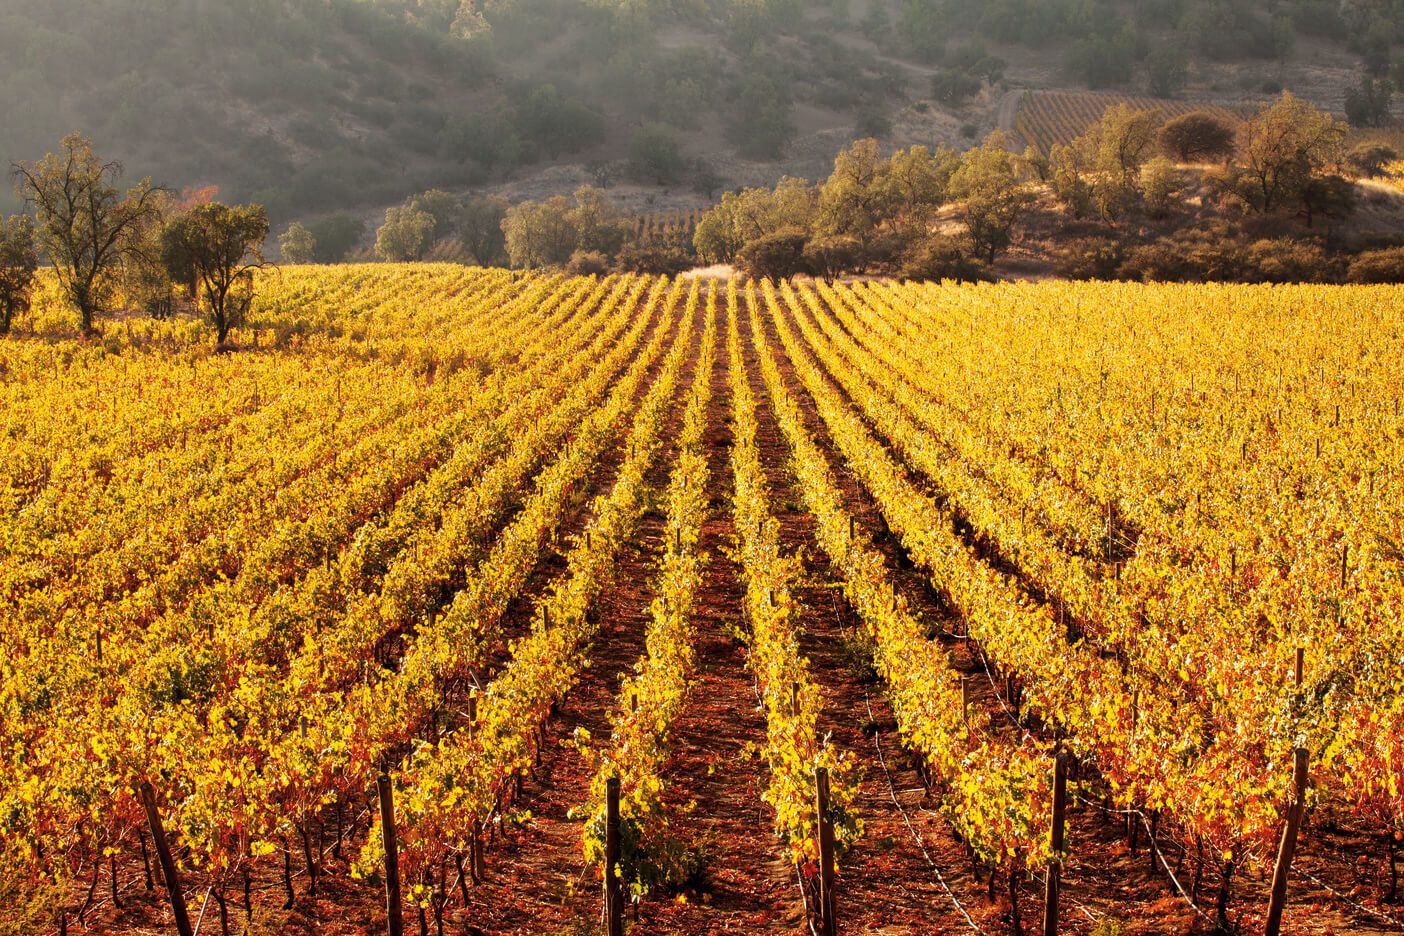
(316,105)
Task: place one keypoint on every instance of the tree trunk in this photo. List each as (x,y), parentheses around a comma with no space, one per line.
(287,873)
(462,881)
(1016,925)
(1154,827)
(145,859)
(311,863)
(1198,869)
(223,911)
(1221,906)
(92,889)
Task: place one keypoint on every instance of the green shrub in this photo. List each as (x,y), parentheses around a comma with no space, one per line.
(776,256)
(656,258)
(587,263)
(834,256)
(1210,253)
(1286,260)
(1091,258)
(1377,266)
(942,258)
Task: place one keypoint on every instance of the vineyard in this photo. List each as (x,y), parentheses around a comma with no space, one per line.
(477,601)
(1046,119)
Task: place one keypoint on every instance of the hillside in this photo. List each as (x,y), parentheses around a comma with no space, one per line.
(312,106)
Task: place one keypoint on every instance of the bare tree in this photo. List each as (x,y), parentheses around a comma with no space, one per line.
(86,225)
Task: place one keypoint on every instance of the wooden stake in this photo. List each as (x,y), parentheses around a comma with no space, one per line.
(1278,901)
(168,865)
(394,914)
(479,871)
(1055,868)
(828,922)
(145,861)
(1301,658)
(614,895)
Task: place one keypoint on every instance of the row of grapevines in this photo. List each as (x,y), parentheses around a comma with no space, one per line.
(997,793)
(449,790)
(313,731)
(793,750)
(651,699)
(130,726)
(1240,707)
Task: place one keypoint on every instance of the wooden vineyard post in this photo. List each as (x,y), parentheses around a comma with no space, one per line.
(394,919)
(614,896)
(828,924)
(163,854)
(1055,869)
(1278,901)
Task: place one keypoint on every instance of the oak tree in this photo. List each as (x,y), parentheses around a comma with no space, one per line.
(224,246)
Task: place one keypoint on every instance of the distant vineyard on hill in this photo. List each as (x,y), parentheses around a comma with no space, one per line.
(1048,118)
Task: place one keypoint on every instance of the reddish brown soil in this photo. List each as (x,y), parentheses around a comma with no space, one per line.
(537,879)
(745,886)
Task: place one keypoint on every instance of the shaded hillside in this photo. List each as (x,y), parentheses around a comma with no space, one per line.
(318,105)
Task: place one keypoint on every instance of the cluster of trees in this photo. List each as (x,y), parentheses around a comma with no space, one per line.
(587,233)
(559,229)
(583,233)
(445,227)
(939,214)
(1285,157)
(142,244)
(325,240)
(1367,104)
(873,212)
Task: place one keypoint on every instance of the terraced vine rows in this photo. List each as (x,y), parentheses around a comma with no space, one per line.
(500,538)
